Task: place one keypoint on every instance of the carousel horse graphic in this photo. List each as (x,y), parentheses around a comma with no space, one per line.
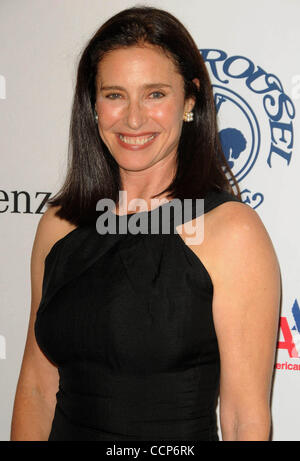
(233,141)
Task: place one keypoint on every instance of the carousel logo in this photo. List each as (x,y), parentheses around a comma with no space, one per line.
(255,116)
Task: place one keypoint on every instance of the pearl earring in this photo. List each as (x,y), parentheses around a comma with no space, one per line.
(96,116)
(188,116)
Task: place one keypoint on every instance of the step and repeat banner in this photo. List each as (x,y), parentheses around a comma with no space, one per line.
(251,50)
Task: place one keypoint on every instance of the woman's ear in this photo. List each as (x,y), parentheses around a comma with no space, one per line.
(190,102)
(197,83)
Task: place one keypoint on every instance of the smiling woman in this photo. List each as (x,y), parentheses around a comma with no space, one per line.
(133,335)
(141,78)
(144,113)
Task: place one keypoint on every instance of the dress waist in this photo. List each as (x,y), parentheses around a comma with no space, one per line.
(158,407)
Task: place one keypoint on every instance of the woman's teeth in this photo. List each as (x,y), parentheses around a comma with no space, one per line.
(136,140)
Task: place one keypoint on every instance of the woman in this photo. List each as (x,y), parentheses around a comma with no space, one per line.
(132,335)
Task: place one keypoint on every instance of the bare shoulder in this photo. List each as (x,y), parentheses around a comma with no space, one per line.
(50,229)
(237,229)
(235,238)
(231,209)
(243,264)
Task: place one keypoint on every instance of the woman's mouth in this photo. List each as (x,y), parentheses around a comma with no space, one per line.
(136,142)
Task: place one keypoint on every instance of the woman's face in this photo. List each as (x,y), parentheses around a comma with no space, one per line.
(140,105)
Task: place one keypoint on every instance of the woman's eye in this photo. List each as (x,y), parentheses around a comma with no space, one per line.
(113,96)
(157,95)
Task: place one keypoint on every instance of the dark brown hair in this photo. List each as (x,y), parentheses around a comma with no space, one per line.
(92,172)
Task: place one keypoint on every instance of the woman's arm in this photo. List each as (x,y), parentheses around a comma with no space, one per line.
(37,386)
(246,300)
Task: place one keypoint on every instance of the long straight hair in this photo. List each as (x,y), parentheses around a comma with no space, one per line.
(92,172)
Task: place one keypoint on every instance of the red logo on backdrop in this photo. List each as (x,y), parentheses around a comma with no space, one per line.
(289,334)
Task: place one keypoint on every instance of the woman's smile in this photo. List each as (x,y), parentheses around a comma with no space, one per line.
(136,142)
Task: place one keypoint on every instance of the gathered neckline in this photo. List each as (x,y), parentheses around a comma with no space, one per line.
(144,212)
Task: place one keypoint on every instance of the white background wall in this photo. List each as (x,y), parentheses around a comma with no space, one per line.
(40,41)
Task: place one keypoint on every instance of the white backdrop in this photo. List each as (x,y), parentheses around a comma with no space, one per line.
(256,76)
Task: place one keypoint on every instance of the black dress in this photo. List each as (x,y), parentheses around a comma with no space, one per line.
(127,319)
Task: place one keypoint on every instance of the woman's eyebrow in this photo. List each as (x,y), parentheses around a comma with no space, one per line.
(146,86)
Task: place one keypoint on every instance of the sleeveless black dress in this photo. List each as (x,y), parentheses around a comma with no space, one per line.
(127,319)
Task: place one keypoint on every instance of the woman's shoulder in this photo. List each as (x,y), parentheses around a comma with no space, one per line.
(51,229)
(232,225)
(234,216)
(238,235)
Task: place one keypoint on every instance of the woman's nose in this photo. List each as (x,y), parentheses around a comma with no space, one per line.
(136,115)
